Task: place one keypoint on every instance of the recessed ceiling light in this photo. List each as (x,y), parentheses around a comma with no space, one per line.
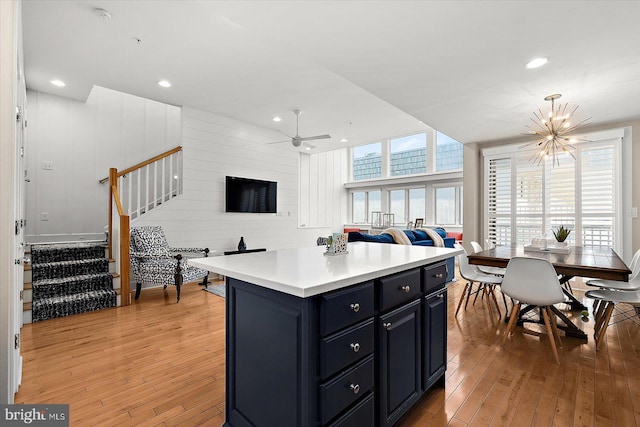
(344,140)
(164,83)
(307,148)
(538,62)
(58,83)
(277,119)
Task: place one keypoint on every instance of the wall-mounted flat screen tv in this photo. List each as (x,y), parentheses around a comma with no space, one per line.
(250,195)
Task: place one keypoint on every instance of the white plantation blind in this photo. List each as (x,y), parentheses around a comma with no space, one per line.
(598,195)
(529,199)
(499,206)
(524,200)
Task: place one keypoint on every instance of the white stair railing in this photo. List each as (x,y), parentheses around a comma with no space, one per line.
(134,192)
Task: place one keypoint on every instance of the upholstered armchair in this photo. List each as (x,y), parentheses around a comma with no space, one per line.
(154,262)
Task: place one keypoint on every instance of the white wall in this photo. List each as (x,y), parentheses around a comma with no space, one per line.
(83,140)
(214,147)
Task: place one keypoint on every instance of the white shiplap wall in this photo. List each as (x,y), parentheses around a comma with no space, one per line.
(215,147)
(323,198)
(113,129)
(82,141)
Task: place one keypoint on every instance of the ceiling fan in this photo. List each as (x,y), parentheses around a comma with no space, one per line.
(299,141)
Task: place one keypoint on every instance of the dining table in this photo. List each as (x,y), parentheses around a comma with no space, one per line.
(575,261)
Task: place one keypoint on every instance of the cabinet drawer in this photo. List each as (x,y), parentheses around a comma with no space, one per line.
(359,416)
(399,288)
(340,393)
(346,307)
(435,276)
(344,348)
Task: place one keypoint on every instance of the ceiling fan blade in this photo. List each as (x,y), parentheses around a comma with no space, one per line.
(311,138)
(279,142)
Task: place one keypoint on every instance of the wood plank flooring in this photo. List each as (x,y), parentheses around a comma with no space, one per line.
(158,363)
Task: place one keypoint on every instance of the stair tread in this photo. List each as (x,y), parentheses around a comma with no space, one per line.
(69,262)
(58,246)
(69,279)
(74,297)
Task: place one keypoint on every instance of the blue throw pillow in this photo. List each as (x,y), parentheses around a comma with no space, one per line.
(441,231)
(420,235)
(410,235)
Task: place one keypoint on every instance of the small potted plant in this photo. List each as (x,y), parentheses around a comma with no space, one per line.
(561,235)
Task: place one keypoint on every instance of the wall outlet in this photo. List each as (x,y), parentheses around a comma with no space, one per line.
(633,212)
(44,216)
(47,166)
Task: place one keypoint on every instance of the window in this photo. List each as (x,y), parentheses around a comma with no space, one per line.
(408,154)
(367,161)
(374,203)
(397,206)
(363,203)
(359,207)
(417,198)
(448,153)
(525,200)
(449,205)
(446,205)
(403,172)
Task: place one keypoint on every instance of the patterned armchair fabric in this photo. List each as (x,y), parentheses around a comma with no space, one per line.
(154,262)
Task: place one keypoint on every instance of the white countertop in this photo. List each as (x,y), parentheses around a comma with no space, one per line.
(305,272)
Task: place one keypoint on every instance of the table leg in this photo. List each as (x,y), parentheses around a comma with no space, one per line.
(573,301)
(569,328)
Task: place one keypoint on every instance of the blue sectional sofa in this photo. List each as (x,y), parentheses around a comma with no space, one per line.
(417,237)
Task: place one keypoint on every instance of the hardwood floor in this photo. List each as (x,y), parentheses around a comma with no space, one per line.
(159,363)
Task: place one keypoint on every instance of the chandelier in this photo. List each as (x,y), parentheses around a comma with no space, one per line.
(553,131)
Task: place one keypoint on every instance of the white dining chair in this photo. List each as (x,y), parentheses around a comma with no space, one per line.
(608,300)
(631,285)
(533,281)
(615,285)
(486,282)
(498,271)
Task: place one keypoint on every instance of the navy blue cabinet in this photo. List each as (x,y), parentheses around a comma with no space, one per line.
(358,356)
(400,351)
(434,327)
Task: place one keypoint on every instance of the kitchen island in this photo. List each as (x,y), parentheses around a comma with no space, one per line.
(342,340)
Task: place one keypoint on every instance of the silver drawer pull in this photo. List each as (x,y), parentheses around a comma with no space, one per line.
(387,326)
(355,388)
(355,307)
(405,288)
(355,347)
(438,276)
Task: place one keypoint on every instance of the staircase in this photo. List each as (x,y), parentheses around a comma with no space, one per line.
(70,278)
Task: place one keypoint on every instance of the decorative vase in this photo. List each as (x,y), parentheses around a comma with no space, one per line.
(241,245)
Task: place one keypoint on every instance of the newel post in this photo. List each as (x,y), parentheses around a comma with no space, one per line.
(113,183)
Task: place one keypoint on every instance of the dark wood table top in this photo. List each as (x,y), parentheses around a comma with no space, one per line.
(595,262)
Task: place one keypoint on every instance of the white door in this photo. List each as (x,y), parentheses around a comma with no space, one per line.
(19,218)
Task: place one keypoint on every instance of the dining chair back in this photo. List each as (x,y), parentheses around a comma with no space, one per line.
(533,281)
(476,247)
(497,271)
(633,284)
(486,282)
